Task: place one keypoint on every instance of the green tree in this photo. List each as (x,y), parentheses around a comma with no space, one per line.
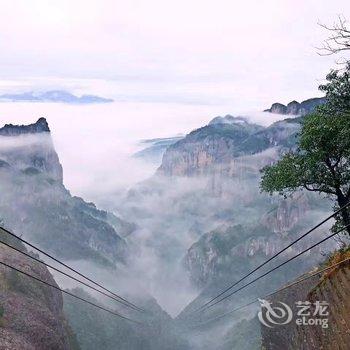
(337,90)
(321,163)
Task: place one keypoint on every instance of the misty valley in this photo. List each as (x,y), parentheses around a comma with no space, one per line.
(174,175)
(168,243)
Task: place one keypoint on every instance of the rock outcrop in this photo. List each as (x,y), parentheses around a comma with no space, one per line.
(296,108)
(35,203)
(221,142)
(31,313)
(30,147)
(332,288)
(14,130)
(211,255)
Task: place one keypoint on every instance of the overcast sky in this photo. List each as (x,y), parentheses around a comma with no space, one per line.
(244,53)
(171,66)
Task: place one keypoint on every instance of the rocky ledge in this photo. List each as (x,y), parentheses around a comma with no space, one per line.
(13,130)
(296,108)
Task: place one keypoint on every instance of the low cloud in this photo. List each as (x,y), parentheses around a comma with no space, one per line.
(13,143)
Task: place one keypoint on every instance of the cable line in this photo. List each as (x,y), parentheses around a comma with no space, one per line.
(271,258)
(68,293)
(277,267)
(270,294)
(66,274)
(72,269)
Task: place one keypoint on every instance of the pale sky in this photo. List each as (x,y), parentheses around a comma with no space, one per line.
(244,53)
(171,66)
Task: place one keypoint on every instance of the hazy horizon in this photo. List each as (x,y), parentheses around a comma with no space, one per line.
(170,67)
(200,53)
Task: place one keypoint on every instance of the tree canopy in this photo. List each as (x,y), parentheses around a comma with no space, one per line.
(337,90)
(321,162)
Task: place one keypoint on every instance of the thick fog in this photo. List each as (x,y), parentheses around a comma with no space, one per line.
(189,230)
(95,142)
(97,164)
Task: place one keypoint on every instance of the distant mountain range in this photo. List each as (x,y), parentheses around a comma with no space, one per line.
(296,108)
(53,96)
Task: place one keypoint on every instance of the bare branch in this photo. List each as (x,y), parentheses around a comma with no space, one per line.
(338,41)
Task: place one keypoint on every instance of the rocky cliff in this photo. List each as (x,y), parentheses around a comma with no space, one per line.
(221,142)
(296,108)
(31,314)
(228,250)
(331,287)
(30,147)
(35,202)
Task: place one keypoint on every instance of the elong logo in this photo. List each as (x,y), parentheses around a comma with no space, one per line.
(271,316)
(308,314)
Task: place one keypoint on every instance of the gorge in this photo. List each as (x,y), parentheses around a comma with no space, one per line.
(177,238)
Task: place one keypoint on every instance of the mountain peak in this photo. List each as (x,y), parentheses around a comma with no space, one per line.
(29,149)
(39,126)
(228,119)
(42,125)
(296,108)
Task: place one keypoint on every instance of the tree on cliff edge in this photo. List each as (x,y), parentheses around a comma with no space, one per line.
(321,163)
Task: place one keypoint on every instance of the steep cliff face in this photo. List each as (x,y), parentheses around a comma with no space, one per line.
(286,214)
(198,152)
(30,147)
(35,203)
(31,314)
(296,108)
(218,144)
(228,250)
(332,288)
